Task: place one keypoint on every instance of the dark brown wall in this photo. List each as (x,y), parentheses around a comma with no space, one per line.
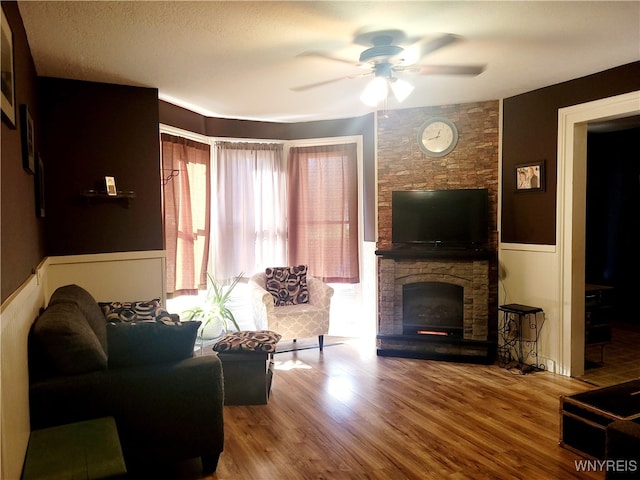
(530,133)
(223,127)
(93,130)
(22,236)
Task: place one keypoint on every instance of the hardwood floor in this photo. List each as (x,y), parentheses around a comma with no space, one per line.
(348,414)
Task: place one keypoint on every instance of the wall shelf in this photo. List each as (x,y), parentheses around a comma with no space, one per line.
(123,197)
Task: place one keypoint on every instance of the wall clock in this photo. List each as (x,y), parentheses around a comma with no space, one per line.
(437,137)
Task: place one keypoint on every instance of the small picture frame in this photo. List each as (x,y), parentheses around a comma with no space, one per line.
(8,75)
(530,177)
(28,140)
(110,183)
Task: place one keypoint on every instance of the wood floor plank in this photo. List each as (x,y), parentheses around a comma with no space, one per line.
(346,413)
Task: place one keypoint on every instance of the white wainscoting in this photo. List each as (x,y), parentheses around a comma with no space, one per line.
(17,313)
(121,276)
(528,275)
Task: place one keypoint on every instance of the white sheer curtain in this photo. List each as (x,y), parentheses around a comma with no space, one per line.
(249,214)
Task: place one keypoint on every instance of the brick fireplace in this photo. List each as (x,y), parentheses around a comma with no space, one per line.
(402,166)
(471,341)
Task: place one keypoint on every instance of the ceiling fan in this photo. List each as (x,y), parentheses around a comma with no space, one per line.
(386,56)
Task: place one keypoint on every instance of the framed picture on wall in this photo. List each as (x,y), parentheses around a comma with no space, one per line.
(28,140)
(8,77)
(530,177)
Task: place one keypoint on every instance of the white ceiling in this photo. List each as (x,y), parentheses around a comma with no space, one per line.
(239,59)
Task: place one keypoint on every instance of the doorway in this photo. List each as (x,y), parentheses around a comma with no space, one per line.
(572,147)
(612,259)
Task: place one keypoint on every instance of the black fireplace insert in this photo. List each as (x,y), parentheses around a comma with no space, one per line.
(433,308)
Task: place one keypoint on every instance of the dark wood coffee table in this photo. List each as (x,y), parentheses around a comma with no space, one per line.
(585,416)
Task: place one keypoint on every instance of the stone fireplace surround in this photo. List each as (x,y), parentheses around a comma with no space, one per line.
(470,271)
(402,166)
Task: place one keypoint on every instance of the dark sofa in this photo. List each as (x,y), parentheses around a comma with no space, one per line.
(168,405)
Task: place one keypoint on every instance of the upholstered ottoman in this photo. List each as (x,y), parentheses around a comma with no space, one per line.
(88,449)
(247,366)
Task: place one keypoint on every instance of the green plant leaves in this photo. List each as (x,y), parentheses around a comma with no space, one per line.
(215,306)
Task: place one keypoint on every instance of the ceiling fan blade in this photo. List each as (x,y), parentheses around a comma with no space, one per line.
(437,43)
(309,86)
(446,69)
(413,53)
(326,56)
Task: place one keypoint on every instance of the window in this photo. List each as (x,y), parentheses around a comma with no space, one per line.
(260,209)
(323,211)
(250,226)
(187,200)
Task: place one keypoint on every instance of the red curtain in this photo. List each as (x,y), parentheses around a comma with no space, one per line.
(187,199)
(323,211)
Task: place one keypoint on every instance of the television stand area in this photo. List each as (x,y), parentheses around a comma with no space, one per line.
(431,251)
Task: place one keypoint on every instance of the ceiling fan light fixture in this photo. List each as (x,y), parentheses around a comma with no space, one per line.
(401,89)
(375,91)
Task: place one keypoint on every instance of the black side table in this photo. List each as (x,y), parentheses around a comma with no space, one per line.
(518,346)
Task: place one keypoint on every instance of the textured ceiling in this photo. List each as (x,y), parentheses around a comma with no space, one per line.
(241,59)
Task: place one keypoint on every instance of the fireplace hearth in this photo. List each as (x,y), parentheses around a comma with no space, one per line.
(436,308)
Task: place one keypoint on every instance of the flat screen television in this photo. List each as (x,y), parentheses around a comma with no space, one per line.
(457,219)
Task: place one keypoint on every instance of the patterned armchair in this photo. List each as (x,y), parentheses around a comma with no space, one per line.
(281,303)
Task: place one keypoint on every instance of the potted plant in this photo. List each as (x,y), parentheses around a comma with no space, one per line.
(215,313)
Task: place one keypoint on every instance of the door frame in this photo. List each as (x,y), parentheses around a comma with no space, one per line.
(571,217)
